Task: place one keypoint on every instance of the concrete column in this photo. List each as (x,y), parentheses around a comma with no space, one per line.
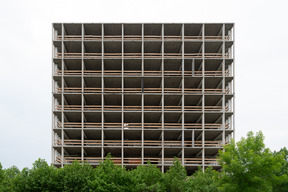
(203,151)
(162,96)
(62,97)
(82,94)
(54,34)
(142,96)
(182,96)
(122,96)
(223,84)
(102,91)
(193,137)
(203,91)
(233,92)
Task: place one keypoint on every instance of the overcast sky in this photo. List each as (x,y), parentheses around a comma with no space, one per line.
(261,50)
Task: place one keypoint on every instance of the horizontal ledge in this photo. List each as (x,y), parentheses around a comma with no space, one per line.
(140,37)
(152,73)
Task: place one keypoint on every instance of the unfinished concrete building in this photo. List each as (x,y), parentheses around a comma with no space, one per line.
(142,92)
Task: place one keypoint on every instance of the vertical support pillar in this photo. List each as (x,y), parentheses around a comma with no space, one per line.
(203,100)
(142,96)
(62,97)
(223,85)
(193,138)
(182,96)
(102,91)
(203,151)
(82,92)
(193,67)
(54,35)
(162,97)
(122,95)
(233,91)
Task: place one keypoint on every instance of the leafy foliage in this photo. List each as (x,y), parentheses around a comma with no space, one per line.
(110,177)
(76,176)
(282,186)
(249,166)
(246,166)
(1,173)
(42,177)
(8,177)
(203,181)
(175,177)
(148,178)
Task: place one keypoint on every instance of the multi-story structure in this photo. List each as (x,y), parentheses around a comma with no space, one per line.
(142,92)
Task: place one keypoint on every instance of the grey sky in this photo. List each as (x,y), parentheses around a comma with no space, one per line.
(25,70)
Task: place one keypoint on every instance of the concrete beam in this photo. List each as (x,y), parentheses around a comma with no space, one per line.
(199,136)
(199,119)
(199,153)
(218,136)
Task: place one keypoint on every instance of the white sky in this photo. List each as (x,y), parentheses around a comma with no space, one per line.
(261,28)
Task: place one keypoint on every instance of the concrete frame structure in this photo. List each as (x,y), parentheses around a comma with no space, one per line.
(142,92)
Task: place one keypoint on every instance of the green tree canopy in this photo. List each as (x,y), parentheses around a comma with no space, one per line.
(43,177)
(10,175)
(1,173)
(111,177)
(283,173)
(207,181)
(175,177)
(76,176)
(148,178)
(248,166)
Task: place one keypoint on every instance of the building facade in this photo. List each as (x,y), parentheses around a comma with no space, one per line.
(142,92)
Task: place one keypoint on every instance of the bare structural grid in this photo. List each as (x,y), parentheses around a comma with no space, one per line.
(142,92)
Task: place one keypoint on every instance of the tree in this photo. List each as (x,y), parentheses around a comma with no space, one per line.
(110,177)
(1,174)
(8,176)
(249,166)
(207,181)
(147,178)
(76,176)
(43,177)
(283,173)
(175,177)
